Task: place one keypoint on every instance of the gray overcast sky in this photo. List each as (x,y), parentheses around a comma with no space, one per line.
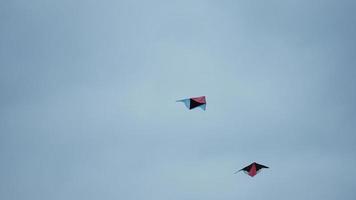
(88,90)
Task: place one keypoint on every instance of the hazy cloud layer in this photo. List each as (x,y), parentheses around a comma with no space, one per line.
(88,90)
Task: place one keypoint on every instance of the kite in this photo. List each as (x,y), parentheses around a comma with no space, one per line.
(195,102)
(252,169)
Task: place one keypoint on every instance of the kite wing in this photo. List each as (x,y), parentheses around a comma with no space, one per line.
(259,166)
(245,169)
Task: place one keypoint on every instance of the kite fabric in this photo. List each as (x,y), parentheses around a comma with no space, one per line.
(252,169)
(194,102)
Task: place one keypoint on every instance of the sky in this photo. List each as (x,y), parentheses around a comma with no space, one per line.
(88,91)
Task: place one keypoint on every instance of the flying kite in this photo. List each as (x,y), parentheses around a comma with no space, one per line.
(194,102)
(252,169)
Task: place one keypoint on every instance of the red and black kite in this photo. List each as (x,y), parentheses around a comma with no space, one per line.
(194,102)
(252,169)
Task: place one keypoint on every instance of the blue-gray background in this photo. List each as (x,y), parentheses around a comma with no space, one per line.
(88,90)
